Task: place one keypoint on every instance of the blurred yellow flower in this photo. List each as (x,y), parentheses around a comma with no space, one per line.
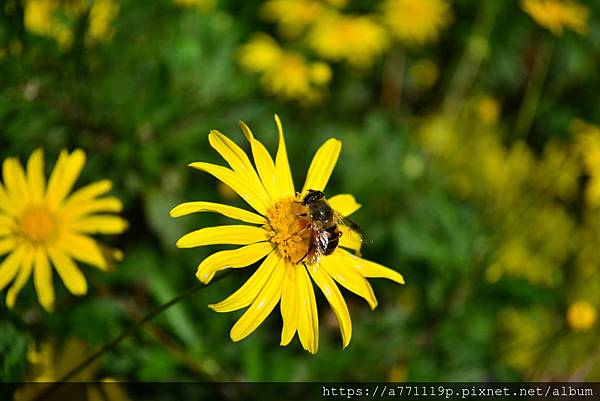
(49,363)
(41,17)
(102,15)
(488,109)
(292,16)
(424,73)
(280,236)
(284,73)
(416,22)
(587,139)
(581,315)
(358,40)
(199,4)
(41,224)
(259,54)
(556,15)
(56,19)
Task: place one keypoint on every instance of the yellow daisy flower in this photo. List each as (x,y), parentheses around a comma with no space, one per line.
(277,235)
(416,22)
(555,15)
(286,74)
(42,225)
(359,40)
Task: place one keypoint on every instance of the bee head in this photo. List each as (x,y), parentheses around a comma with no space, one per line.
(312,196)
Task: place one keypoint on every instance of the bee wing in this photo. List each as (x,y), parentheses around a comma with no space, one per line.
(351,225)
(318,245)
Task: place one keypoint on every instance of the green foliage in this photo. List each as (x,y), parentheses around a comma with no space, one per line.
(142,102)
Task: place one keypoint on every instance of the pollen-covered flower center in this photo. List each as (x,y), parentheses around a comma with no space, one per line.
(289,229)
(37,224)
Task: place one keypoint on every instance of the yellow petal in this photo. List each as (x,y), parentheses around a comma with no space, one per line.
(238,160)
(6,245)
(6,204)
(15,182)
(6,225)
(369,269)
(262,306)
(322,165)
(266,170)
(102,205)
(10,266)
(308,317)
(349,278)
(350,239)
(233,234)
(335,299)
(22,277)
(84,249)
(68,272)
(345,204)
(235,258)
(248,292)
(99,224)
(289,304)
(35,175)
(42,278)
(253,196)
(87,193)
(284,174)
(225,210)
(63,177)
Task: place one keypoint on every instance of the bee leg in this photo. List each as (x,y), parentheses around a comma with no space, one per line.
(303,257)
(301,214)
(304,229)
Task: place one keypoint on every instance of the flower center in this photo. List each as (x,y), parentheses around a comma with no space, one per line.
(37,224)
(288,229)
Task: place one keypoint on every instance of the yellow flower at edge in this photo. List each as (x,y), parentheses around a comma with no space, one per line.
(43,225)
(276,234)
(49,362)
(581,315)
(358,40)
(57,19)
(556,15)
(416,21)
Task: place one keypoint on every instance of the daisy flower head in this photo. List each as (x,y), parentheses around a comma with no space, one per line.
(278,234)
(416,22)
(556,15)
(286,74)
(43,225)
(356,39)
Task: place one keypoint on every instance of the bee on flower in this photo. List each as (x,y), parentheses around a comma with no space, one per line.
(282,234)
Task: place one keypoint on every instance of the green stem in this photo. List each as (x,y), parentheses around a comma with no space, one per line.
(112,344)
(469,65)
(533,91)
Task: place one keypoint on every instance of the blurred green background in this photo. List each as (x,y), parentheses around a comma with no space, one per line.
(472,141)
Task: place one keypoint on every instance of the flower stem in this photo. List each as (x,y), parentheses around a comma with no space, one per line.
(127,332)
(534,91)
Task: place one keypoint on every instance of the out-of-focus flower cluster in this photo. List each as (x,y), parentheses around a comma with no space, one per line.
(544,207)
(319,34)
(58,19)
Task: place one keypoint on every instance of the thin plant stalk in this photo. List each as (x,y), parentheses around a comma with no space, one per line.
(117,340)
(533,92)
